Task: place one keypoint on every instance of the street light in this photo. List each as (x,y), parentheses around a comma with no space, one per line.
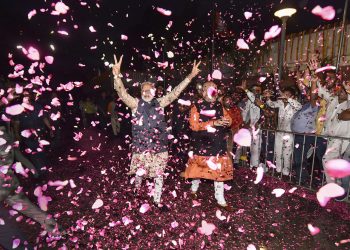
(283,14)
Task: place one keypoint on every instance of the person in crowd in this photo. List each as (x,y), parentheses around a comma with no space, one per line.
(337,102)
(241,152)
(235,113)
(113,112)
(252,114)
(102,104)
(36,123)
(209,122)
(287,106)
(181,132)
(304,122)
(12,194)
(88,111)
(149,129)
(159,91)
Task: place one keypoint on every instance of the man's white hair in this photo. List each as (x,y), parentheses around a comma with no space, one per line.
(145,83)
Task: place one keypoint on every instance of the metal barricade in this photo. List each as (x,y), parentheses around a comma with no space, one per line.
(307,154)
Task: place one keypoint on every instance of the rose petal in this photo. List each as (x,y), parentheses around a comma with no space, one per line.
(144,208)
(329,191)
(243,137)
(326,13)
(313,230)
(217,75)
(49,59)
(97,204)
(338,168)
(164,11)
(278,192)
(241,44)
(15,109)
(259,174)
(248,15)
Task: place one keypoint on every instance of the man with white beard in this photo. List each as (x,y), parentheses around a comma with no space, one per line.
(149,128)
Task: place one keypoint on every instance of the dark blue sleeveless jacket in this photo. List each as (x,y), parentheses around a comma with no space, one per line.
(149,128)
(205,143)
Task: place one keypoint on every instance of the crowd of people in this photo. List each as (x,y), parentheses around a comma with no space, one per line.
(295,130)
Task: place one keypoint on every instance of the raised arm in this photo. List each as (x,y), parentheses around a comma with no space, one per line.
(294,103)
(175,93)
(129,101)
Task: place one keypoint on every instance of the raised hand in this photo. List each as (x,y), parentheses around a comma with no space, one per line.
(243,85)
(116,66)
(195,70)
(267,93)
(314,64)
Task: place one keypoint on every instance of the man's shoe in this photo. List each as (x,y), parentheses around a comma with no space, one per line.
(193,196)
(161,207)
(226,207)
(341,198)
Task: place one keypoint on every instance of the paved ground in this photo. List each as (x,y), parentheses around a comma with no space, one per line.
(259,218)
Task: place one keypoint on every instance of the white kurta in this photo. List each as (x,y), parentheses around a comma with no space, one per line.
(284,141)
(252,114)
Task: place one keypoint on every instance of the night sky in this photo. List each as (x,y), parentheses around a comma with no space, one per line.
(135,19)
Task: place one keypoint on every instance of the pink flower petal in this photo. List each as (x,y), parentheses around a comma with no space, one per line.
(210,129)
(217,75)
(184,102)
(49,59)
(31,14)
(251,36)
(97,204)
(144,208)
(15,243)
(63,32)
(272,33)
(19,89)
(251,247)
(241,44)
(61,8)
(210,113)
(174,224)
(330,190)
(338,168)
(212,165)
(328,67)
(43,202)
(92,29)
(243,137)
(164,11)
(219,215)
(326,13)
(2,141)
(124,37)
(278,192)
(33,54)
(248,15)
(140,172)
(206,228)
(313,230)
(259,175)
(15,109)
(126,220)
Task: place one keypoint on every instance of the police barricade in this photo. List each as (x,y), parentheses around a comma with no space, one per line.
(307,156)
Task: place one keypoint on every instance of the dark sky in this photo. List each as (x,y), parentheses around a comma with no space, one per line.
(134,18)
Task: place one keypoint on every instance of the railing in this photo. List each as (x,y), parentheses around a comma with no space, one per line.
(314,177)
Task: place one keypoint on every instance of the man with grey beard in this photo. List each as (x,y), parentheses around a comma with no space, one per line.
(149,129)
